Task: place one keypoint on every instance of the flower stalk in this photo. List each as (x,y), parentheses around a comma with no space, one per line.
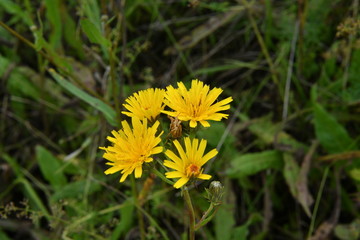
(138,211)
(161,176)
(191,213)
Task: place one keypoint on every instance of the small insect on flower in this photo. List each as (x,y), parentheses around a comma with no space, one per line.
(132,147)
(175,127)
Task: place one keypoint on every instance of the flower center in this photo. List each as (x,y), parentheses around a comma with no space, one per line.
(192,170)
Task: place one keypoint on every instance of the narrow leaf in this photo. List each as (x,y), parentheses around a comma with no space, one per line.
(224,222)
(242,232)
(74,190)
(331,134)
(291,173)
(49,166)
(127,218)
(108,112)
(253,163)
(54,16)
(93,33)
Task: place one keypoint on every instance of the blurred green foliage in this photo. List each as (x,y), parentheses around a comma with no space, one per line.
(289,154)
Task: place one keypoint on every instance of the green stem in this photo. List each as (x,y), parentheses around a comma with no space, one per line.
(160,175)
(140,216)
(200,224)
(204,218)
(317,203)
(191,214)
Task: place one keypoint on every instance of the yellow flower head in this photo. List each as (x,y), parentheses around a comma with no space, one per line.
(132,147)
(145,104)
(196,104)
(189,162)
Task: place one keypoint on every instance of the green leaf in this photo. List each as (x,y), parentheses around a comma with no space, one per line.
(268,132)
(108,112)
(355,174)
(291,172)
(92,11)
(224,222)
(214,133)
(71,36)
(242,232)
(17,10)
(253,163)
(295,179)
(20,85)
(3,235)
(348,231)
(75,190)
(54,16)
(93,33)
(229,66)
(331,134)
(49,166)
(127,218)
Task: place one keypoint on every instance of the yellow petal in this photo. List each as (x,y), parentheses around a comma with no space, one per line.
(124,176)
(208,156)
(180,150)
(204,176)
(205,123)
(175,174)
(181,182)
(173,157)
(157,150)
(138,171)
(172,165)
(193,123)
(113,170)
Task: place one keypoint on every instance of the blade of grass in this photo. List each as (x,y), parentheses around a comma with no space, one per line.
(317,203)
(108,112)
(263,46)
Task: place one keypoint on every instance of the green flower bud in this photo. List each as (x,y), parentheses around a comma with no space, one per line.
(215,192)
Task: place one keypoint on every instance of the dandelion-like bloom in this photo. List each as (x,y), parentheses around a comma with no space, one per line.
(145,104)
(196,104)
(188,164)
(132,147)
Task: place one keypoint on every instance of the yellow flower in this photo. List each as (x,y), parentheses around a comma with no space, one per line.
(196,104)
(145,104)
(132,147)
(189,162)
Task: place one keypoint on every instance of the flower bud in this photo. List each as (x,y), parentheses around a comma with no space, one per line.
(175,127)
(215,192)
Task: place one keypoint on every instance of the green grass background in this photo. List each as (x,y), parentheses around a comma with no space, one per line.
(289,152)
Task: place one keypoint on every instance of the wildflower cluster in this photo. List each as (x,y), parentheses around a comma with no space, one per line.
(134,145)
